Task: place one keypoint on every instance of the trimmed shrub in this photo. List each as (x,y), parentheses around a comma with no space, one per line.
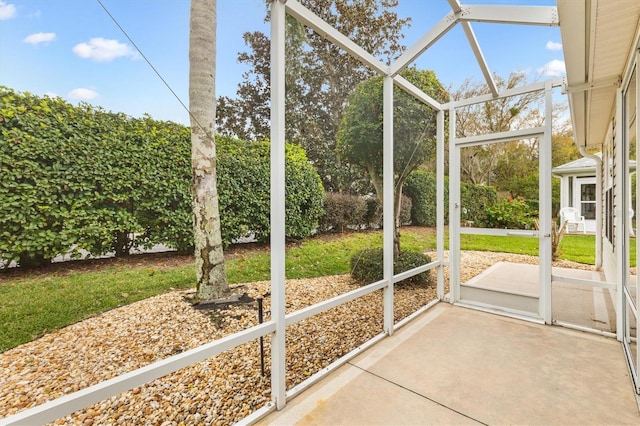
(343,210)
(366,266)
(421,188)
(511,214)
(304,193)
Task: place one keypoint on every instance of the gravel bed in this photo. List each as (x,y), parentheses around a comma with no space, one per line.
(220,390)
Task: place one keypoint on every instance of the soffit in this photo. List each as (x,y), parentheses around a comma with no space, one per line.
(598,38)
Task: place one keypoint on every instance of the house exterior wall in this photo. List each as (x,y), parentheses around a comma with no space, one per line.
(618,150)
(570,195)
(609,205)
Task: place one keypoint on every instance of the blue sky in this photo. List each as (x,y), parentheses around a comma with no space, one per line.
(72,49)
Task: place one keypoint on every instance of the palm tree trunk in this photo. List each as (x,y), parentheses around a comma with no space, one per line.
(210,268)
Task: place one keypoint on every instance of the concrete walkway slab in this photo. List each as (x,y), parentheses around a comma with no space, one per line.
(581,305)
(458,366)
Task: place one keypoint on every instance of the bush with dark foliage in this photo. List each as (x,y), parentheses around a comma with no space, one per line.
(366,266)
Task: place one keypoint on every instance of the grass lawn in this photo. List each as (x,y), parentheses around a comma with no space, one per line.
(32,306)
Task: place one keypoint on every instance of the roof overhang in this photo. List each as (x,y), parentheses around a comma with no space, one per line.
(598,37)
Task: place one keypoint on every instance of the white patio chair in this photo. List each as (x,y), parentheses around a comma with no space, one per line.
(573,218)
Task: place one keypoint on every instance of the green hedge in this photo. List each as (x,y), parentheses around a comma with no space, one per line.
(358,212)
(244,188)
(421,188)
(476,199)
(511,214)
(81,177)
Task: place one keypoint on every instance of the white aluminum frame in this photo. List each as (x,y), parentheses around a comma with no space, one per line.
(637,65)
(463,15)
(625,298)
(278,212)
(520,305)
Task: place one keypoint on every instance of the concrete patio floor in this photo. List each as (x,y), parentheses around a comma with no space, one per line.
(585,306)
(454,365)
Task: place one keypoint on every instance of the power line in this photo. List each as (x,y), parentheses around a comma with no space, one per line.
(133,43)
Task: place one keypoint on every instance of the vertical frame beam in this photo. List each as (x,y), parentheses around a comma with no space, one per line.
(620,201)
(637,205)
(544,247)
(388,207)
(278,248)
(440,202)
(454,210)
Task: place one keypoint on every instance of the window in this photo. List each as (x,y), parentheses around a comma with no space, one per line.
(588,200)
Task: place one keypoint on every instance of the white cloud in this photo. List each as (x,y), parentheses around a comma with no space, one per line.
(82,94)
(51,95)
(554,68)
(552,45)
(7,10)
(102,50)
(40,38)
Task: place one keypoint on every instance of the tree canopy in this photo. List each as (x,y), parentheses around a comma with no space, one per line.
(360,135)
(414,127)
(319,78)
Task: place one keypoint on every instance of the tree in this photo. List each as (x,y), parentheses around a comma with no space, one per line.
(564,149)
(210,268)
(478,163)
(414,131)
(319,78)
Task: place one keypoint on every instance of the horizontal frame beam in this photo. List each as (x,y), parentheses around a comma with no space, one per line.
(334,365)
(516,91)
(415,271)
(522,15)
(583,282)
(336,301)
(65,405)
(500,137)
(500,232)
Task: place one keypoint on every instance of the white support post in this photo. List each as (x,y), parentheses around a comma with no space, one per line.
(440,202)
(545,248)
(620,182)
(637,209)
(278,248)
(388,207)
(454,210)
